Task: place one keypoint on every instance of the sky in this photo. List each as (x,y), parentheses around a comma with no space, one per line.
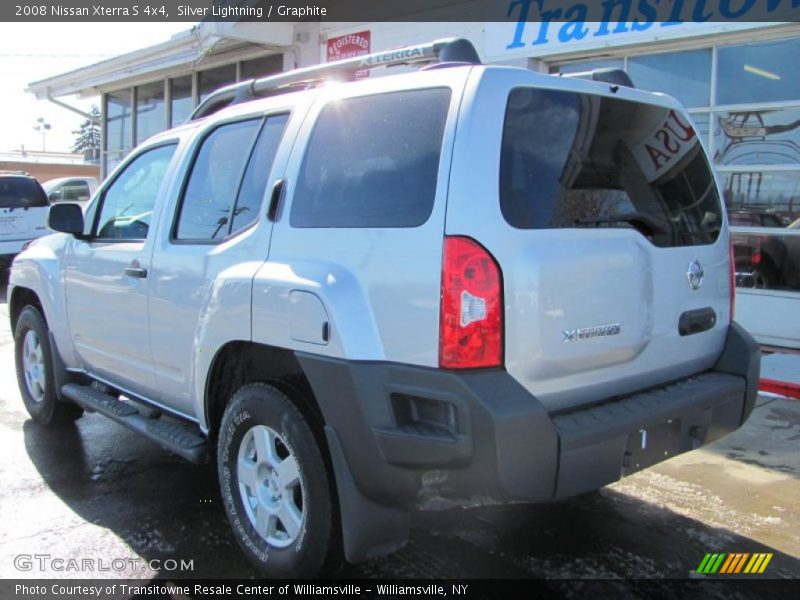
(33,51)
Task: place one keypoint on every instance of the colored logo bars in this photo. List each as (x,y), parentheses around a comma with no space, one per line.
(736,562)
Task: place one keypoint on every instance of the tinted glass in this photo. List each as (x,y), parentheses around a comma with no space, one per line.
(214,181)
(579,160)
(373,161)
(21,192)
(127,205)
(255,178)
(749,137)
(762,72)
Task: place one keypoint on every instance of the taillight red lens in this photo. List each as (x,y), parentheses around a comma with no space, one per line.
(471,321)
(731,280)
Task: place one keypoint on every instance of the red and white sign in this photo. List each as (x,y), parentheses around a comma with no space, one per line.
(348,46)
(665,146)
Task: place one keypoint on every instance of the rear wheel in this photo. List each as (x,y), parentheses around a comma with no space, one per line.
(34,362)
(275,487)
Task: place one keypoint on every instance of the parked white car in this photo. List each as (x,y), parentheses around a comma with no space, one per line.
(23,213)
(71,189)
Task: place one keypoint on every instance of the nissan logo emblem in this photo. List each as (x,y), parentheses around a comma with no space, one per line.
(694,275)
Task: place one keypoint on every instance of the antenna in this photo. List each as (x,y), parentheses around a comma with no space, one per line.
(450,49)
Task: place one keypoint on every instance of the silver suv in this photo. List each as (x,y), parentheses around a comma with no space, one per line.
(468,282)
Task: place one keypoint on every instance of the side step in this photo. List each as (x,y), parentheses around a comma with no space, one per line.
(170,435)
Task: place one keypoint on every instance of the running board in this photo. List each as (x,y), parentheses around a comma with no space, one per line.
(170,435)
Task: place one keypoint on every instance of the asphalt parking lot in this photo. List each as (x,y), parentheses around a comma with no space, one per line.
(94,490)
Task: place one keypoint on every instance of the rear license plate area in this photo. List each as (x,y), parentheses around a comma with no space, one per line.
(651,445)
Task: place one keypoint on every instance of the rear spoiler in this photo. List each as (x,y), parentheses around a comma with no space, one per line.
(612,76)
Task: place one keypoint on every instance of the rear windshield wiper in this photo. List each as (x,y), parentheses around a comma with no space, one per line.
(645,223)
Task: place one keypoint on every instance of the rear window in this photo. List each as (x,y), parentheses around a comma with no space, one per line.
(582,160)
(21,192)
(373,161)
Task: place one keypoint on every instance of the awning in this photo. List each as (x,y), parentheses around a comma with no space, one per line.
(203,46)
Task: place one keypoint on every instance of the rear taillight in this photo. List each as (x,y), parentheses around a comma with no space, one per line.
(731,280)
(471,321)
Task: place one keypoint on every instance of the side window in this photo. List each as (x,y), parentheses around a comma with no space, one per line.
(255,178)
(57,194)
(75,191)
(214,181)
(21,192)
(373,161)
(127,204)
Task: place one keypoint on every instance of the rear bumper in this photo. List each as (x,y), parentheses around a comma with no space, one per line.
(410,435)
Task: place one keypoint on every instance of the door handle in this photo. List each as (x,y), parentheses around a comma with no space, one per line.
(275,199)
(137,272)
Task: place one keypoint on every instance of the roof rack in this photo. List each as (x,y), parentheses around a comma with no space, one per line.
(605,75)
(445,50)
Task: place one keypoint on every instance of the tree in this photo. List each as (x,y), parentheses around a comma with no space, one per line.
(88,135)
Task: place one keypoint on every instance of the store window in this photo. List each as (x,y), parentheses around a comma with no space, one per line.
(775,192)
(261,67)
(683,75)
(181,101)
(150,110)
(212,79)
(589,65)
(119,124)
(761,72)
(752,136)
(770,200)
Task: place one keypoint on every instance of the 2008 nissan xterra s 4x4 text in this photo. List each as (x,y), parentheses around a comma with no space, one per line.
(470,282)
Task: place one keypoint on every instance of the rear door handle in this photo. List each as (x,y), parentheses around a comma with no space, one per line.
(137,272)
(275,199)
(697,321)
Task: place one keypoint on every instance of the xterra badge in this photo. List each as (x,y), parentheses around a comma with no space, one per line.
(576,335)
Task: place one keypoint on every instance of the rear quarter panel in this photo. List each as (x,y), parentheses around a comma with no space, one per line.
(379,286)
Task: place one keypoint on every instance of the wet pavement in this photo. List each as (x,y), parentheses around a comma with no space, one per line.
(94,490)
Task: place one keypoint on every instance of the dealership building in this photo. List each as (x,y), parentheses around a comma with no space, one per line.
(739,82)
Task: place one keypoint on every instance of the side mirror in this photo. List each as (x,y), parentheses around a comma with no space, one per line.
(66,217)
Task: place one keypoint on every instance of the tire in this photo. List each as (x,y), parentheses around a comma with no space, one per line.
(35,376)
(286,520)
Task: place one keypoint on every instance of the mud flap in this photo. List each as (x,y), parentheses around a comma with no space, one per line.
(369,530)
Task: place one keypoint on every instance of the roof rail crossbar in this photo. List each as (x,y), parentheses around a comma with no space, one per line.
(451,49)
(605,75)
